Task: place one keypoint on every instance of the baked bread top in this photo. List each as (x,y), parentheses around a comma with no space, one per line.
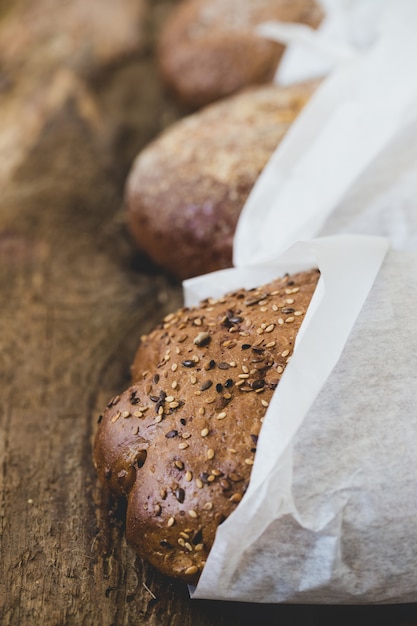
(180,442)
(187,188)
(208,49)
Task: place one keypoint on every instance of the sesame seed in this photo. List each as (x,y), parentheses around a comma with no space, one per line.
(179,464)
(204,432)
(271,344)
(208,506)
(190,571)
(221,415)
(188,476)
(201,410)
(298,313)
(260,331)
(236,497)
(184,535)
(188,546)
(289,320)
(171,522)
(285,353)
(249,461)
(183,445)
(158,419)
(199,547)
(264,403)
(125,414)
(197,322)
(174,367)
(274,307)
(173,405)
(270,328)
(180,494)
(243,375)
(199,483)
(280,321)
(186,435)
(210,453)
(138,414)
(174,384)
(115,417)
(181,541)
(193,380)
(245,369)
(193,513)
(169,398)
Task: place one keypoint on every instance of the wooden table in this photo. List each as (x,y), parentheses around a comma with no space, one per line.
(74,299)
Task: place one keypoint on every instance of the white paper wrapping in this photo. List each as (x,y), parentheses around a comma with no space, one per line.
(329,515)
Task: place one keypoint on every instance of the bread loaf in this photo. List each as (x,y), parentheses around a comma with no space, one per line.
(180,442)
(209,49)
(187,188)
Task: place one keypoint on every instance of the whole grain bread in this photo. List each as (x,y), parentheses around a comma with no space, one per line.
(186,189)
(180,442)
(208,49)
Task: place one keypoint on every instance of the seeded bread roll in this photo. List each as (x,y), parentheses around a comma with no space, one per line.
(179,443)
(209,49)
(186,189)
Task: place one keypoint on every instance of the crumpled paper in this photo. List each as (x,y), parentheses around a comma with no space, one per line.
(329,515)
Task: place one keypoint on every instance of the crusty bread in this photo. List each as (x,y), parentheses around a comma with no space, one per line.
(180,442)
(187,188)
(209,49)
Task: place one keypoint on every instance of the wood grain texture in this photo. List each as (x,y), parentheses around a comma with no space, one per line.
(74,298)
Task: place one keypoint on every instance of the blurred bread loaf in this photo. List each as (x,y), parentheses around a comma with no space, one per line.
(209,49)
(186,189)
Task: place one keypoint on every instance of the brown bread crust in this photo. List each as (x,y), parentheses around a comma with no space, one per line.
(187,188)
(208,48)
(179,444)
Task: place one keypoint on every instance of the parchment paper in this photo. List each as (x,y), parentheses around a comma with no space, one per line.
(329,516)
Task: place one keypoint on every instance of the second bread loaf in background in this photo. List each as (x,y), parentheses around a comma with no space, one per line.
(186,189)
